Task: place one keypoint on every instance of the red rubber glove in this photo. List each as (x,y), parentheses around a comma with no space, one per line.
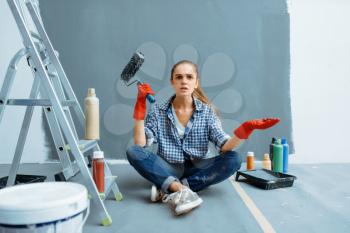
(245,129)
(140,107)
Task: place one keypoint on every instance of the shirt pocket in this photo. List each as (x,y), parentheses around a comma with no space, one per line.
(198,136)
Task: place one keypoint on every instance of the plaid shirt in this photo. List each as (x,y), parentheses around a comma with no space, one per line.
(204,126)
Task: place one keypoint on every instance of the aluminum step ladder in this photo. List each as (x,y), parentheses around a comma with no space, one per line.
(57,100)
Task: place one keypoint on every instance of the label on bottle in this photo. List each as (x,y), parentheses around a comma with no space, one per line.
(99,174)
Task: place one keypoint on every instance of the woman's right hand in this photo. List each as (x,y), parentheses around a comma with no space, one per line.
(144,89)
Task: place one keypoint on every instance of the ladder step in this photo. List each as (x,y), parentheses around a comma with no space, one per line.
(84,145)
(36,36)
(67,173)
(36,102)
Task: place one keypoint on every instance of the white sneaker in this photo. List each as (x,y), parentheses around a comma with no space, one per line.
(156,194)
(184,200)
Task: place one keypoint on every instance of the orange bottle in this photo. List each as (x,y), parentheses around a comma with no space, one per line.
(250,160)
(98,170)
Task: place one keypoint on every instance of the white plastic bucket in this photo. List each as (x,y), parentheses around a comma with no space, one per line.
(43,208)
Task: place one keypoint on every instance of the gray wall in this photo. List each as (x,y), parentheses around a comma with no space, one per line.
(242,48)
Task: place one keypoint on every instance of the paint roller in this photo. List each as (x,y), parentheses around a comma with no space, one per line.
(130,70)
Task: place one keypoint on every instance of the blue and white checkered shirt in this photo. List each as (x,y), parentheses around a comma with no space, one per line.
(204,126)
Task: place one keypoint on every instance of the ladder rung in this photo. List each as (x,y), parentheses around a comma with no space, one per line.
(52,75)
(84,145)
(71,171)
(69,103)
(36,102)
(87,145)
(29,102)
(36,36)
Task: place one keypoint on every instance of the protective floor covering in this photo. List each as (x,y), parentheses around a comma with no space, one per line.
(319,201)
(221,211)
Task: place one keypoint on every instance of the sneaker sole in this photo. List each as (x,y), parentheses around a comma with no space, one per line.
(154,194)
(188,207)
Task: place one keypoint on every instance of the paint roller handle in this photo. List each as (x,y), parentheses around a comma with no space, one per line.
(151,98)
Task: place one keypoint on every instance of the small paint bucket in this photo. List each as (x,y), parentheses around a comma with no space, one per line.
(43,207)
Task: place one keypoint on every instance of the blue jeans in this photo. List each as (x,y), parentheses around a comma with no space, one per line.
(196,174)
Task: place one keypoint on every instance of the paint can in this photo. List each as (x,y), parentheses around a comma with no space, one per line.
(51,207)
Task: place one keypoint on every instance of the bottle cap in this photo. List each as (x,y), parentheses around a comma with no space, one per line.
(273,140)
(98,155)
(250,153)
(266,156)
(284,141)
(278,141)
(91,92)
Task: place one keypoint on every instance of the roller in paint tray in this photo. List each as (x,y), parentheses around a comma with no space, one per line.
(130,70)
(266,179)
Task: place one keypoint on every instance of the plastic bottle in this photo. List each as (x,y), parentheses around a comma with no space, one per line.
(278,156)
(250,160)
(266,163)
(285,155)
(92,121)
(98,170)
(271,150)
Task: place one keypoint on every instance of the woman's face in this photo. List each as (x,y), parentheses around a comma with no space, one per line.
(184,79)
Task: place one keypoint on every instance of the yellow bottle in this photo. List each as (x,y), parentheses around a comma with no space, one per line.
(266,163)
(92,116)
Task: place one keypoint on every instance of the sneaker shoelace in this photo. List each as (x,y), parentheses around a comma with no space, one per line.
(174,198)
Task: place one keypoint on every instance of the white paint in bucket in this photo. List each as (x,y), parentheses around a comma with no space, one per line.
(50,207)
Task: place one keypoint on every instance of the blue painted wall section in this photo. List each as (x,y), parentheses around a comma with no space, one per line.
(241,47)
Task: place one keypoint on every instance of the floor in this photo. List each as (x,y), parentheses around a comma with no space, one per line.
(318,201)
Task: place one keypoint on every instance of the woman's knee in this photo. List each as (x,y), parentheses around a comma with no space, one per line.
(135,152)
(234,161)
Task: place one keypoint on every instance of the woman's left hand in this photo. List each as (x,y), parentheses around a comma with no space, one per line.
(245,129)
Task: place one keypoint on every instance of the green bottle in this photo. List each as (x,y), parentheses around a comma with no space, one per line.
(278,156)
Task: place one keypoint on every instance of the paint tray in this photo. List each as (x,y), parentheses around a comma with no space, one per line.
(266,179)
(22,179)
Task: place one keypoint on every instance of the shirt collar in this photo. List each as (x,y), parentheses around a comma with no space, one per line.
(167,104)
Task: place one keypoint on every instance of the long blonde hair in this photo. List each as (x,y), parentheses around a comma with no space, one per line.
(198,92)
